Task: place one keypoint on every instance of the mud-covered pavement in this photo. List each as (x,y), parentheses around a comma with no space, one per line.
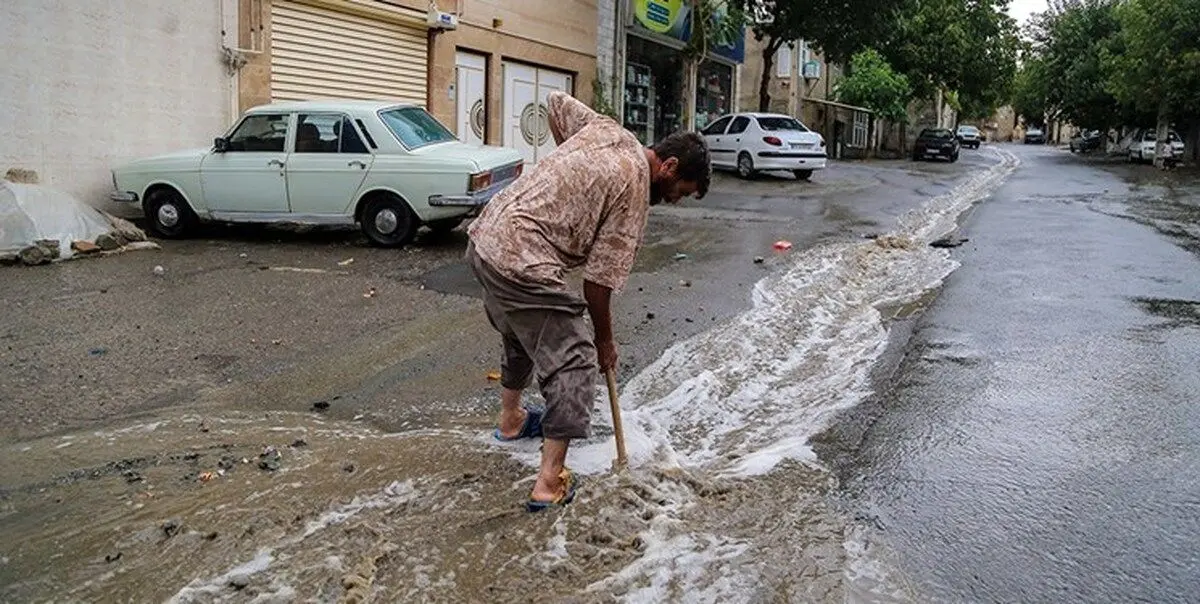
(141,407)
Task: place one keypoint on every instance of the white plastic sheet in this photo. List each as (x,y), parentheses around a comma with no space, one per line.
(30,213)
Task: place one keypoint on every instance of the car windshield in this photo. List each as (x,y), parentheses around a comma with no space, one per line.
(936,133)
(415,127)
(968,129)
(1034,131)
(773,124)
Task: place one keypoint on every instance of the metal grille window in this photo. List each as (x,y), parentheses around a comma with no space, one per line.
(858,138)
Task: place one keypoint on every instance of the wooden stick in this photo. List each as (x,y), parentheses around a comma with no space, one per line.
(621,461)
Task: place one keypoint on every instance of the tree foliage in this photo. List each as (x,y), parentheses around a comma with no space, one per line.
(838,28)
(872,83)
(969,47)
(1105,63)
(1154,64)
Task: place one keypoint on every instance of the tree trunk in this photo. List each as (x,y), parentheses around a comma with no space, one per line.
(1162,146)
(764,83)
(1192,149)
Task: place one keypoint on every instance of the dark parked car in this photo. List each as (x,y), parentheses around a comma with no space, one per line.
(1035,136)
(969,136)
(1086,140)
(936,143)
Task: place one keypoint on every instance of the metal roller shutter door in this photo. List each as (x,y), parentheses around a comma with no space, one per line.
(318,52)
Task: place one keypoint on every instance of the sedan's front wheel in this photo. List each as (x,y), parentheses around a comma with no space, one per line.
(389,222)
(169,215)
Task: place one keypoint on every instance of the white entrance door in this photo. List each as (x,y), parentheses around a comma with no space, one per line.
(526,115)
(472,97)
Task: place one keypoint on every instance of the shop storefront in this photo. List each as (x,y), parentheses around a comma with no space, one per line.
(657,91)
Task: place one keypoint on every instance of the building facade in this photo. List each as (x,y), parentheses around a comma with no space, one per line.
(90,84)
(803,84)
(486,79)
(658,89)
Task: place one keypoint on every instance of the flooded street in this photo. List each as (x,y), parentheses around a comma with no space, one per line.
(322,435)
(1039,440)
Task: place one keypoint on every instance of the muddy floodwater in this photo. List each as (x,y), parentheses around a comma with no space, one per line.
(353,497)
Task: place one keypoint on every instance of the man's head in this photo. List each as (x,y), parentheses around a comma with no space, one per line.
(683,168)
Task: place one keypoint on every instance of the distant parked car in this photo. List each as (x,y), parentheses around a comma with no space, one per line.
(1086,141)
(936,143)
(389,168)
(1143,145)
(758,142)
(1035,136)
(969,136)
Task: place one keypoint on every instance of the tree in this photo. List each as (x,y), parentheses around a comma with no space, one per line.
(1155,64)
(872,83)
(838,28)
(965,46)
(1029,95)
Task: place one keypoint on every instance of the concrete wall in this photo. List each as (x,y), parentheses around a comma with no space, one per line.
(90,83)
(606,49)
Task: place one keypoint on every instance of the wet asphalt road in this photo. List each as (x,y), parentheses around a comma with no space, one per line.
(1041,440)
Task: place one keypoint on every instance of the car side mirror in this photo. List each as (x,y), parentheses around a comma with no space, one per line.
(220,144)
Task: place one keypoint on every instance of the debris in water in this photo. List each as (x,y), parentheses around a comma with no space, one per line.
(370,293)
(270,459)
(207,476)
(226,463)
(110,558)
(297,269)
(299,442)
(203,427)
(171,527)
(782,246)
(239,581)
(277,342)
(681,256)
(349,467)
(138,246)
(132,476)
(872,235)
(85,247)
(243,255)
(346,262)
(949,242)
(493,376)
(97,352)
(685,283)
(320,406)
(210,535)
(649,316)
(759,259)
(159,270)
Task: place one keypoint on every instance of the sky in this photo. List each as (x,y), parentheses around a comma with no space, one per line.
(1021,9)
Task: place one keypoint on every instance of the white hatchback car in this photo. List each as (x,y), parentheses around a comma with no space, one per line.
(389,168)
(757,142)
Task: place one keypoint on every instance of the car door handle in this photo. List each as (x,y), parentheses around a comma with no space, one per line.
(275,162)
(361,165)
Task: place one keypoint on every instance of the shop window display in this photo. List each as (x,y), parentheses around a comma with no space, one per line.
(714,90)
(653,83)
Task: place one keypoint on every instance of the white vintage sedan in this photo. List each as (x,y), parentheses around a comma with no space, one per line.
(389,168)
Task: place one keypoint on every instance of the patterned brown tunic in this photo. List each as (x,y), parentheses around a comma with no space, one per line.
(583,205)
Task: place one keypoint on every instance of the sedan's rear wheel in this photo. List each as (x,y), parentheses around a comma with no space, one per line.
(169,215)
(745,165)
(803,174)
(388,222)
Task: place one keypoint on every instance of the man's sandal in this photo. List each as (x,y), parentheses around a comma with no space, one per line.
(532,428)
(567,495)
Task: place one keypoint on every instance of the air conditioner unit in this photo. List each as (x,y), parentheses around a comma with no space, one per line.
(442,20)
(811,70)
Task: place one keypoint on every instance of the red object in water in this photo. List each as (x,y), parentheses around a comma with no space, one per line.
(783,246)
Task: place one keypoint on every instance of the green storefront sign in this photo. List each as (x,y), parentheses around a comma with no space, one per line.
(673,18)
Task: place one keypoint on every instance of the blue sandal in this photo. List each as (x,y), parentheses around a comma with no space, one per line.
(571,483)
(532,428)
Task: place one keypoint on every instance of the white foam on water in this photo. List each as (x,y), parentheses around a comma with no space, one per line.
(201,590)
(737,400)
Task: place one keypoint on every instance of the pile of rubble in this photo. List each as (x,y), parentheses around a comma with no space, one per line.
(40,225)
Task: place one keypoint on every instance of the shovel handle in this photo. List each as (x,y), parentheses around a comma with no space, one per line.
(618,430)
